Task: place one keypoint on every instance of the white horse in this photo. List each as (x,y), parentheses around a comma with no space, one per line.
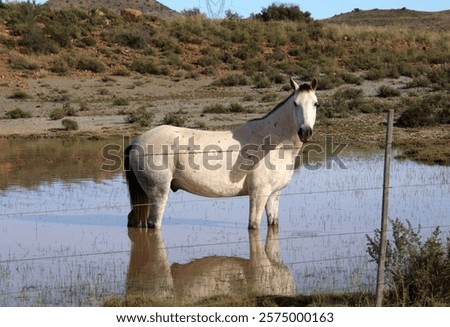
(257,159)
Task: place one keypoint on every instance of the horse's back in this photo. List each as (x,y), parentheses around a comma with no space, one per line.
(200,162)
(173,136)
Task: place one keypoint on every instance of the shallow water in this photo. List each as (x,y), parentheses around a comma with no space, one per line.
(64,241)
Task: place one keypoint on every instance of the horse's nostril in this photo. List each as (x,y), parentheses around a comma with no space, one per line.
(305,133)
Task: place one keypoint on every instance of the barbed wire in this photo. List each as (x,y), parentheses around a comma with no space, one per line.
(228,243)
(199,200)
(91,284)
(191,246)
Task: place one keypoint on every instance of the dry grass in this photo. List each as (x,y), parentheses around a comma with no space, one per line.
(239,54)
(198,45)
(394,19)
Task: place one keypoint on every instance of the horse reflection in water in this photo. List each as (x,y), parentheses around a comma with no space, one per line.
(151,274)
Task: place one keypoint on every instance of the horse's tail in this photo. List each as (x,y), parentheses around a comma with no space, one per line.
(138,198)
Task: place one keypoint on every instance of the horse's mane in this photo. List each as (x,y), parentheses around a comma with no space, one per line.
(302,88)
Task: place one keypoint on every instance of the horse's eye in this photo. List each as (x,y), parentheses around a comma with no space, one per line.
(317,105)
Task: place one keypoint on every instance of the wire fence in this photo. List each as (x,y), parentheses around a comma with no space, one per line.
(110,287)
(175,202)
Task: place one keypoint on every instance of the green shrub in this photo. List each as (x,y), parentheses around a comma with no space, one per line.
(349,78)
(83,106)
(342,106)
(175,119)
(166,43)
(376,74)
(121,102)
(104,91)
(69,124)
(420,81)
(261,81)
(216,108)
(148,66)
(440,77)
(233,80)
(141,117)
(270,97)
(429,111)
(277,78)
(236,108)
(17,113)
(134,38)
(348,93)
(329,82)
(386,91)
(19,95)
(90,63)
(283,12)
(59,113)
(121,72)
(59,66)
(108,79)
(69,110)
(22,63)
(87,41)
(443,116)
(219,108)
(417,271)
(35,40)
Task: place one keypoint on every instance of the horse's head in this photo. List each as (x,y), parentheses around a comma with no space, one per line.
(305,102)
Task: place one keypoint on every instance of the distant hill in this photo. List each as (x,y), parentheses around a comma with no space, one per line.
(395,18)
(146,6)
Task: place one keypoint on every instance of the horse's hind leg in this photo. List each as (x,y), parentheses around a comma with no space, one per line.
(158,197)
(272,205)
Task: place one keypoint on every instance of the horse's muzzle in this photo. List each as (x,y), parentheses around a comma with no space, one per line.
(305,133)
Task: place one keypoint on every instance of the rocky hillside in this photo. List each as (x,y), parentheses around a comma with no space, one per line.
(146,6)
(400,18)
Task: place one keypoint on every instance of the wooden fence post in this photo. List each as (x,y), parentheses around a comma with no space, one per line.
(384,210)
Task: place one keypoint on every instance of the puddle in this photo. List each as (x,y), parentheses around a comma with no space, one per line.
(64,241)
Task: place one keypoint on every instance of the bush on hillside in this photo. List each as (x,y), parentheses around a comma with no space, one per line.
(19,95)
(34,40)
(17,113)
(59,113)
(283,12)
(69,124)
(386,91)
(233,80)
(141,116)
(174,119)
(429,111)
(91,63)
(417,271)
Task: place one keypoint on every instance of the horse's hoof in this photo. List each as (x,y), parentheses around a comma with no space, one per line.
(253,226)
(151,225)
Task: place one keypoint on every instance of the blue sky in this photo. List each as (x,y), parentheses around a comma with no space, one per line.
(318,8)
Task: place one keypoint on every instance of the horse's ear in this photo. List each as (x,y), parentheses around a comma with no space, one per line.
(294,84)
(314,84)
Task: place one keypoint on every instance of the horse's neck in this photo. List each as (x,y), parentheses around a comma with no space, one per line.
(279,125)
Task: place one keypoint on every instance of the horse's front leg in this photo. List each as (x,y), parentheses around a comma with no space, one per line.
(257,203)
(272,205)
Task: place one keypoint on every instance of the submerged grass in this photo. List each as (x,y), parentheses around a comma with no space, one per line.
(357,299)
